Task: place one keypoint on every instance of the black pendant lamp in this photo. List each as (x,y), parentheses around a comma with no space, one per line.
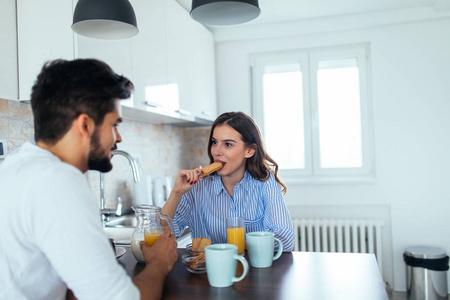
(224,12)
(105,19)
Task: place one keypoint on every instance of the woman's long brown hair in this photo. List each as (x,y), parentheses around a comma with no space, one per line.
(260,164)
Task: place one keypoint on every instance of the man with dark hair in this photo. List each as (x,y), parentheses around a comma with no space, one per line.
(52,240)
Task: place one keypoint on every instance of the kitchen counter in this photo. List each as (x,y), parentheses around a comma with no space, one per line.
(296,275)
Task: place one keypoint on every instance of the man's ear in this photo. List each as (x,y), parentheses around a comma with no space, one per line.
(251,150)
(85,125)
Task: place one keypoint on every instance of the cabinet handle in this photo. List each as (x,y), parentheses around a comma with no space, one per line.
(206,113)
(183,112)
(152,104)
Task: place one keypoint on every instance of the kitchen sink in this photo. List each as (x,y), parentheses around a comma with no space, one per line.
(121,229)
(124,221)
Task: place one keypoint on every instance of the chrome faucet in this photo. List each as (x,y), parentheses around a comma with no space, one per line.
(133,164)
(106,212)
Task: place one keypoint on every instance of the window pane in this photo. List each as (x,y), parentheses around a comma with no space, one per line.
(283,115)
(339,114)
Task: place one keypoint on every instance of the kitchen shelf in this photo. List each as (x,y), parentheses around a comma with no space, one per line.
(155,117)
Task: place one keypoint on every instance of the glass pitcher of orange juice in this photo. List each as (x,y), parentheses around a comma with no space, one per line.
(150,225)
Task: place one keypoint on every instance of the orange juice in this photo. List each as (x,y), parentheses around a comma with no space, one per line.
(236,236)
(151,237)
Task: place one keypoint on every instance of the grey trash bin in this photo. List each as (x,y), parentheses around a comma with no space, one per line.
(426,273)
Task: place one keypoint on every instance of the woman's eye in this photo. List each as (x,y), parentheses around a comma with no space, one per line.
(228,144)
(213,142)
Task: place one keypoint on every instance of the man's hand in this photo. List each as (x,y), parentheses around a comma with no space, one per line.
(70,295)
(159,260)
(163,254)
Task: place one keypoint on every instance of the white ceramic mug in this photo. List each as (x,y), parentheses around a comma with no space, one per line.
(221,262)
(260,248)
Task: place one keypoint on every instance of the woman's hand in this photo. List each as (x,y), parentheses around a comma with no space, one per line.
(186,179)
(184,182)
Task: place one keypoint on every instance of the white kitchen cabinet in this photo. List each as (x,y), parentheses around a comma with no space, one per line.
(170,61)
(140,58)
(43,33)
(116,53)
(190,50)
(149,65)
(8,48)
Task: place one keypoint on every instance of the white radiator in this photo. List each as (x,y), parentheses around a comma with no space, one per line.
(338,235)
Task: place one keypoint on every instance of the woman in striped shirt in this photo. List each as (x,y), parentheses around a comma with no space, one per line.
(246,186)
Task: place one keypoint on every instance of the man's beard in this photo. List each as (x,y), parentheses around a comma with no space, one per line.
(96,160)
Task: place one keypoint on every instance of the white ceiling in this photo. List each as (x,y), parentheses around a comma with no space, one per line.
(289,10)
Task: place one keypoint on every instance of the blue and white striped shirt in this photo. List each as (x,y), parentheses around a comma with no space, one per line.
(206,206)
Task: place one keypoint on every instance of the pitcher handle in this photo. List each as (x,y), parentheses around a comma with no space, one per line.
(169,221)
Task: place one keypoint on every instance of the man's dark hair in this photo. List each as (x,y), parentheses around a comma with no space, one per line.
(65,89)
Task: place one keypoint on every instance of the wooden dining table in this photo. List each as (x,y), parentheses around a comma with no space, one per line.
(295,275)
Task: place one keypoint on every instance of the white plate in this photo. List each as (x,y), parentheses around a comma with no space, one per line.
(120,251)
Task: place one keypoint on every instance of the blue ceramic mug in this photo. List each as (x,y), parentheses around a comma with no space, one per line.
(221,262)
(260,248)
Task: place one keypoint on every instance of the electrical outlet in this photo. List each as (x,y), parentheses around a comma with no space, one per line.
(3,148)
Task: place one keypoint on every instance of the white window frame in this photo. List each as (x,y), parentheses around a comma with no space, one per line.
(308,59)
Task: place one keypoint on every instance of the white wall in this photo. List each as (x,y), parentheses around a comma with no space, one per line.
(410,80)
(8,50)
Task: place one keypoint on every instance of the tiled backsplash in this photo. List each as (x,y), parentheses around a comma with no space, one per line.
(16,123)
(161,150)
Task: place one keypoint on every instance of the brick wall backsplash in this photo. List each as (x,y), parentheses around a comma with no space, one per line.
(160,150)
(16,123)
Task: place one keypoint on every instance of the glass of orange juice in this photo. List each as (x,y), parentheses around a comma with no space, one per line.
(151,235)
(236,233)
